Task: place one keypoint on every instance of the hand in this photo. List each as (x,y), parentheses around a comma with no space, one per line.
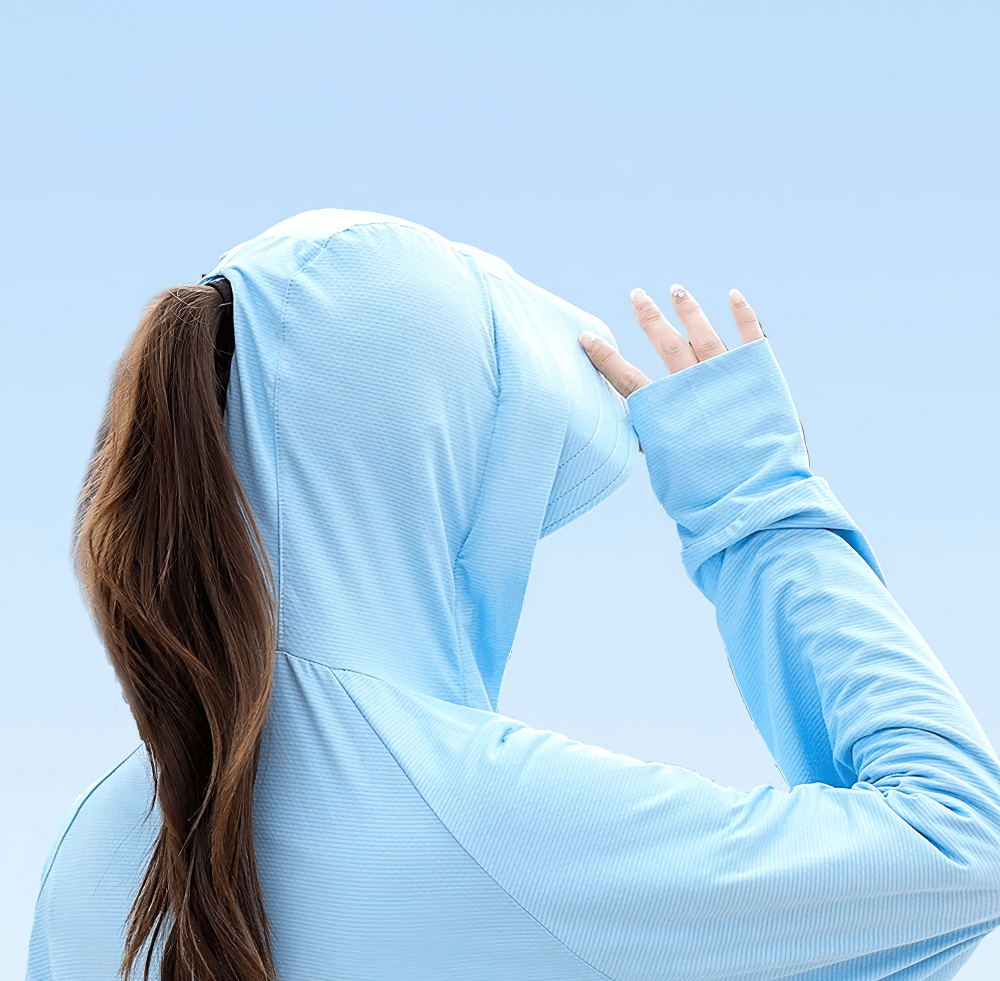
(677,353)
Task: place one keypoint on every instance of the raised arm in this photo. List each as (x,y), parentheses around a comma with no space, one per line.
(838,681)
(883,861)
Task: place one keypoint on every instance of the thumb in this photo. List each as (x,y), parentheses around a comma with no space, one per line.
(625,378)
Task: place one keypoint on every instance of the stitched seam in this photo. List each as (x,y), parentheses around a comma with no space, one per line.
(705,546)
(451,246)
(277,438)
(597,429)
(451,833)
(79,807)
(436,237)
(592,496)
(330,667)
(496,276)
(477,510)
(587,502)
(514,285)
(583,480)
(598,468)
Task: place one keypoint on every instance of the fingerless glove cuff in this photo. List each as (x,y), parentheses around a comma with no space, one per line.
(726,458)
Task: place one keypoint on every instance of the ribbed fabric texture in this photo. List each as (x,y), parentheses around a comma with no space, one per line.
(408,416)
(405,829)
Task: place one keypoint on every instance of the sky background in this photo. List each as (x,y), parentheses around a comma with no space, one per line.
(837,163)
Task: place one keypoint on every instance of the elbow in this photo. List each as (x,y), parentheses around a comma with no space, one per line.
(977,845)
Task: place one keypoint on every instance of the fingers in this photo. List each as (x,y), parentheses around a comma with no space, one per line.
(670,344)
(705,342)
(746,320)
(676,351)
(624,377)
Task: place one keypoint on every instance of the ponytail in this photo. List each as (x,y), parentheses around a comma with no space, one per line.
(174,570)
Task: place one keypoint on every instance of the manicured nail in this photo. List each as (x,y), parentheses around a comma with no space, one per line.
(737,297)
(678,292)
(637,293)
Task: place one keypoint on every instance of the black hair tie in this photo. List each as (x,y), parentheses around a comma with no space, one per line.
(225,339)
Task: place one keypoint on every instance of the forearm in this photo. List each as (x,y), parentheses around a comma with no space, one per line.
(844,689)
(884,858)
(839,683)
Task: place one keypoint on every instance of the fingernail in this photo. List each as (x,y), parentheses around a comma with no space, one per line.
(678,292)
(636,293)
(587,338)
(737,297)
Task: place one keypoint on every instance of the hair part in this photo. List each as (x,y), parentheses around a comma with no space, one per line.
(175,573)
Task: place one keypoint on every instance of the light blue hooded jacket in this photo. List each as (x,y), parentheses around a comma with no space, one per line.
(408,417)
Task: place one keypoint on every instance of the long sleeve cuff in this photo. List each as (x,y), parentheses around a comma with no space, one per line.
(726,458)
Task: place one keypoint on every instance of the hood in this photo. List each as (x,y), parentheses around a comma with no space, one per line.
(408,416)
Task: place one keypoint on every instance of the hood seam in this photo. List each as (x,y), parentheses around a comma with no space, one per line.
(593,436)
(566,517)
(464,653)
(279,364)
(596,469)
(451,833)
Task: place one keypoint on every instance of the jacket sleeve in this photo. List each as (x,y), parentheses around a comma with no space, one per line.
(855,708)
(882,861)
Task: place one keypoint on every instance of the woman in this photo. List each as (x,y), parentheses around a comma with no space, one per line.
(335,794)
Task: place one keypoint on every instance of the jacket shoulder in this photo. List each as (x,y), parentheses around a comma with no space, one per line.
(131,762)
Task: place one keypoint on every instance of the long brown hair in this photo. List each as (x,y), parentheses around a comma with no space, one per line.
(174,570)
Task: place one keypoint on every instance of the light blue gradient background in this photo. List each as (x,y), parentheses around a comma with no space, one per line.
(837,163)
